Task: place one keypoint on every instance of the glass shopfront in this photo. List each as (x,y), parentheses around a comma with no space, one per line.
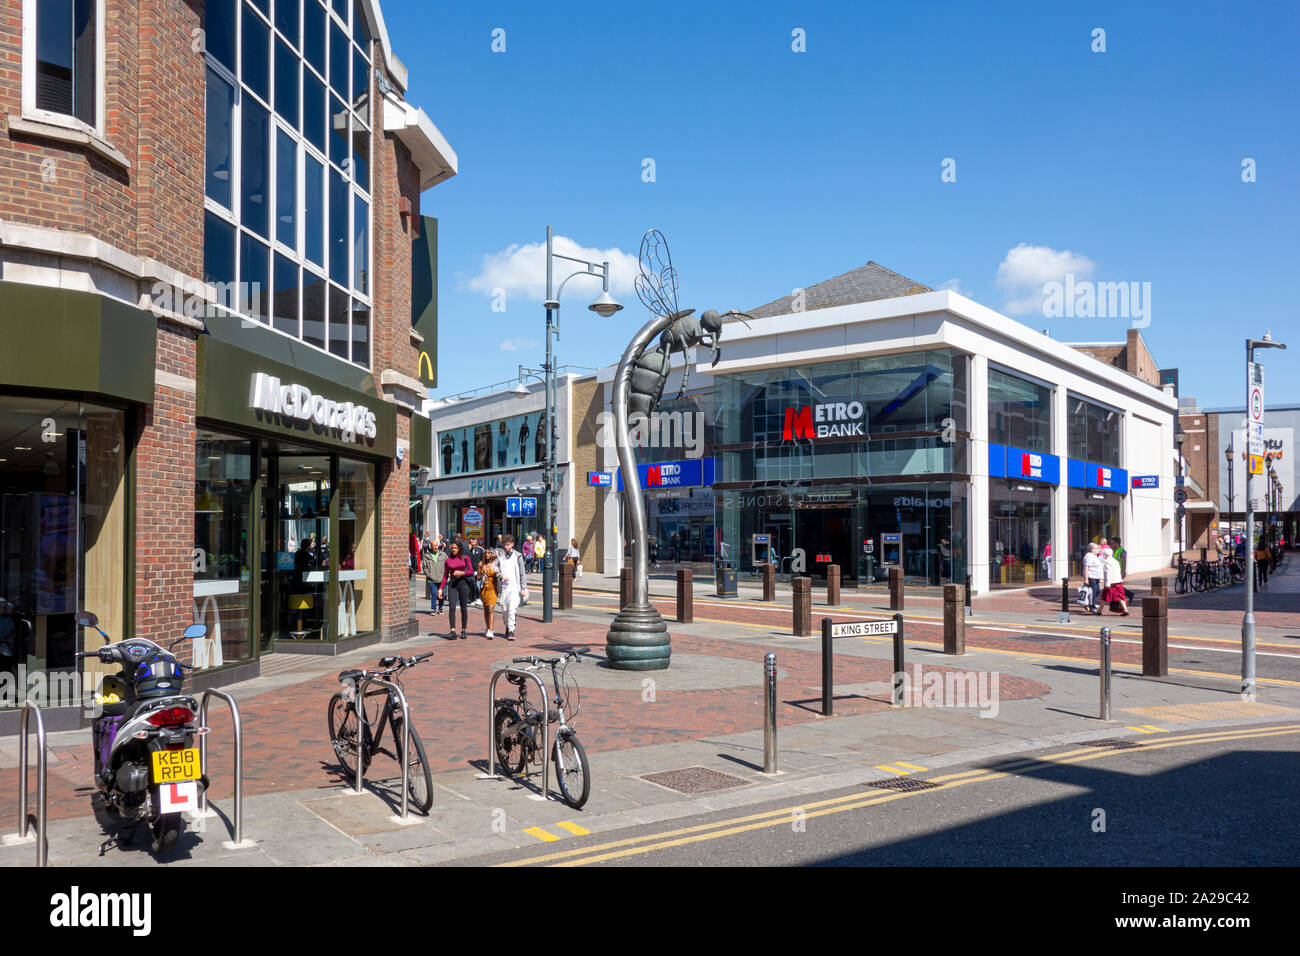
(1020,533)
(862,463)
(63,527)
(223,547)
(1093,515)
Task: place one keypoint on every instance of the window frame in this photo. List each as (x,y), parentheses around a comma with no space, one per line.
(29,53)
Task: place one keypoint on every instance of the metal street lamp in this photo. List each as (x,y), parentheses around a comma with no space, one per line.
(1179,437)
(604,306)
(1248,619)
(1228,453)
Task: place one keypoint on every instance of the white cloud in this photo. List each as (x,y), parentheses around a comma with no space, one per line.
(518,345)
(953,285)
(1027,268)
(521,270)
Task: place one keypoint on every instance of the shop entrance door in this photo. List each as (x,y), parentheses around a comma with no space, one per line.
(826,536)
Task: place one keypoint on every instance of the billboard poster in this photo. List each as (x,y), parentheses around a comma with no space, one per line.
(515,442)
(471,522)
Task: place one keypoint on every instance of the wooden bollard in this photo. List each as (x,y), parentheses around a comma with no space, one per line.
(1155,637)
(802,606)
(1158,588)
(833,585)
(685,595)
(954,620)
(624,588)
(566,586)
(895,589)
(769,582)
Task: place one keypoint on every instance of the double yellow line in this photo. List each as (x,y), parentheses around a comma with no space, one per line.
(650,843)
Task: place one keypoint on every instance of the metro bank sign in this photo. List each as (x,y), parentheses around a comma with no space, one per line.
(832,420)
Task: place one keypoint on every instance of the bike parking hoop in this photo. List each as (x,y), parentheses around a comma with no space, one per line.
(23,836)
(546,726)
(393,688)
(238,843)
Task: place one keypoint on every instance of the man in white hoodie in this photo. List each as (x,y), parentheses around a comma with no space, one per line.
(514,582)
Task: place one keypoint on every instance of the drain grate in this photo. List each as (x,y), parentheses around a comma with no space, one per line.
(1119,743)
(694,780)
(904,783)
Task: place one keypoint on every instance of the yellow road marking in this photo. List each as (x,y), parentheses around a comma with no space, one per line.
(891,769)
(541,834)
(1152,728)
(573,828)
(1138,729)
(910,766)
(709,831)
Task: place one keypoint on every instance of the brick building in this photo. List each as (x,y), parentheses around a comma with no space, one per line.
(210,372)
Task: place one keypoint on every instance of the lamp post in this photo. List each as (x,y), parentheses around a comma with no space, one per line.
(1228,453)
(1179,437)
(1268,510)
(604,306)
(1248,619)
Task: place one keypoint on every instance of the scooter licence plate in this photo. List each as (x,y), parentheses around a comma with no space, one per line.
(170,766)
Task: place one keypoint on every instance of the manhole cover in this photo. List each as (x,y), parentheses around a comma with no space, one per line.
(694,780)
(1119,743)
(903,783)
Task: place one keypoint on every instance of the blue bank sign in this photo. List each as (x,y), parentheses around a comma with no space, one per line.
(691,473)
(1023,464)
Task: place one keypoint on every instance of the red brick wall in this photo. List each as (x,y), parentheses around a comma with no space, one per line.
(164,499)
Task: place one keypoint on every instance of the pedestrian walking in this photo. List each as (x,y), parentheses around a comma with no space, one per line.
(1093,572)
(457,574)
(676,547)
(1120,555)
(513,583)
(539,552)
(489,579)
(427,551)
(1047,560)
(434,566)
(527,550)
(1113,582)
(654,551)
(574,556)
(475,554)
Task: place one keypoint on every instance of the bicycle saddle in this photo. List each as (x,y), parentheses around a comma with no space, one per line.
(353,674)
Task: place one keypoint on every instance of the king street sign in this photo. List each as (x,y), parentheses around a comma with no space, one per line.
(863,628)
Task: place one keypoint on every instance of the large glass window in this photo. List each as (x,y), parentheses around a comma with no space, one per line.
(63,524)
(1020,412)
(275,184)
(1094,432)
(67,63)
(223,549)
(1020,533)
(1093,515)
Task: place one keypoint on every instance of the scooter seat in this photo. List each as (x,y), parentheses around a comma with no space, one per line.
(117,708)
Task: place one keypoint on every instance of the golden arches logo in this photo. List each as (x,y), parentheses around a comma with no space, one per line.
(425,362)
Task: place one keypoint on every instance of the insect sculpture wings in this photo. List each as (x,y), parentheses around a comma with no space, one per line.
(656,286)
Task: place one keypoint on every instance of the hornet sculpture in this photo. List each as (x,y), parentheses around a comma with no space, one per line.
(638,638)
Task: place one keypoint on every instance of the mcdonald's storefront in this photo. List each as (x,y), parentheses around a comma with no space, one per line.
(297,463)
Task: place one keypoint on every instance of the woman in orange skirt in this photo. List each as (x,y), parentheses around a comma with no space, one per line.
(489,577)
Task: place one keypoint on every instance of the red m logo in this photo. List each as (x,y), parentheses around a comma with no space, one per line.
(798,424)
(653,477)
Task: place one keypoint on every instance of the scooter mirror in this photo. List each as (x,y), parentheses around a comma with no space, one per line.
(86,619)
(195,631)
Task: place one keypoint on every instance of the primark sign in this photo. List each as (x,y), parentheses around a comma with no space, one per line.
(297,402)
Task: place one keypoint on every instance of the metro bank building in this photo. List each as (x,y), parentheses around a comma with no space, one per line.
(890,425)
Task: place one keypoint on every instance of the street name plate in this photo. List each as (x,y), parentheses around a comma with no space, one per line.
(863,628)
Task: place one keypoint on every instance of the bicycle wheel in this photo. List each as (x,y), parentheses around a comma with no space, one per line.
(512,752)
(1198,580)
(572,772)
(343,736)
(419,784)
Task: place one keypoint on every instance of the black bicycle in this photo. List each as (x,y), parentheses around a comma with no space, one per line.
(517,729)
(343,727)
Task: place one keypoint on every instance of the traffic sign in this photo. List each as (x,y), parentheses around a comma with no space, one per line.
(1256,464)
(863,628)
(1180,495)
(1255,389)
(1182,510)
(521,507)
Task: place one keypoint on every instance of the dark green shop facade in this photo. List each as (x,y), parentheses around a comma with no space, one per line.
(290,449)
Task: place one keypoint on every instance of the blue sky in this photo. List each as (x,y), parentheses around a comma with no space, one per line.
(776,169)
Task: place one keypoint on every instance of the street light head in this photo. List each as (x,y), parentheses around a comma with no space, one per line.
(606,305)
(1265,343)
(519,389)
(1180,436)
(552,305)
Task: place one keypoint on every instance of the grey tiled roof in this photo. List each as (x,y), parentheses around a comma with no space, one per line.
(865,284)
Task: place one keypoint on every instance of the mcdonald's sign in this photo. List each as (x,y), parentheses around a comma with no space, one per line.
(424,298)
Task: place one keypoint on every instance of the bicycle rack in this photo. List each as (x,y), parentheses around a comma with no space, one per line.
(239,842)
(406,735)
(42,844)
(546,728)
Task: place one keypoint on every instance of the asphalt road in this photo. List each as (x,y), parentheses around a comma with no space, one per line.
(1198,798)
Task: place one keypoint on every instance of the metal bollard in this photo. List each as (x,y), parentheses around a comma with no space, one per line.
(1063,616)
(828,668)
(1105,673)
(968,611)
(769,713)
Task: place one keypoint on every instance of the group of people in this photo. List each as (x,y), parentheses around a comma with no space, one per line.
(461,573)
(1103,570)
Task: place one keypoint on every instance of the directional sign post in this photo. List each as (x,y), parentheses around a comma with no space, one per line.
(1180,495)
(521,507)
(831,631)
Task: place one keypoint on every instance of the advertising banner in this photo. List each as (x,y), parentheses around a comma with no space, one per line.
(514,442)
(472,522)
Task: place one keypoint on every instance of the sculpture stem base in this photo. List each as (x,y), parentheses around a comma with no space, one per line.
(638,640)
